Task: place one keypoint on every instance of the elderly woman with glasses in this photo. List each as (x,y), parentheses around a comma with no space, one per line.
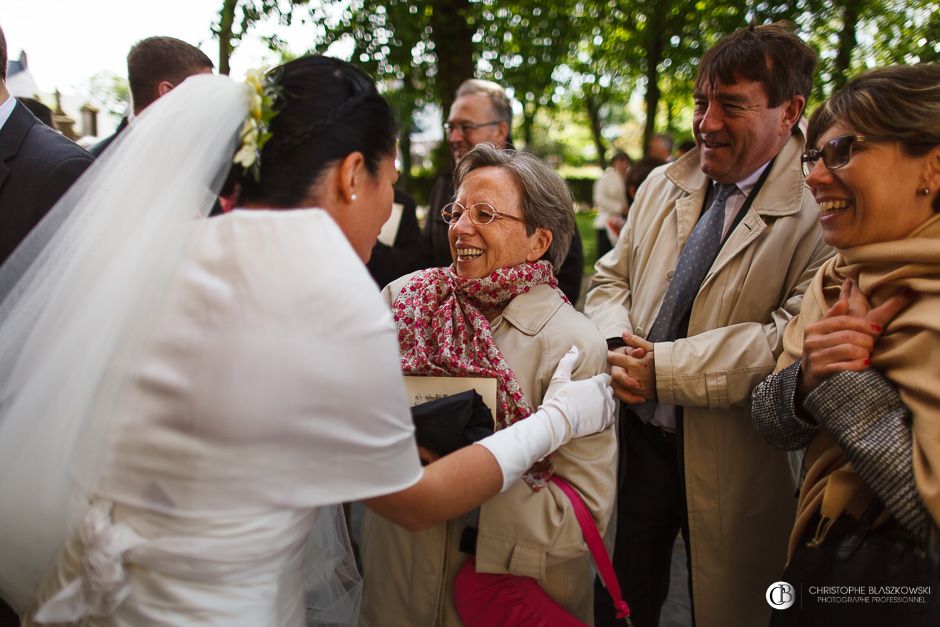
(497,312)
(859,382)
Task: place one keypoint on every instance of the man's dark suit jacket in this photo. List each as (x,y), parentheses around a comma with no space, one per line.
(37,166)
(407,254)
(99,148)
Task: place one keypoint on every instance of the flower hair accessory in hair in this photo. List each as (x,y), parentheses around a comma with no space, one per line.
(255,131)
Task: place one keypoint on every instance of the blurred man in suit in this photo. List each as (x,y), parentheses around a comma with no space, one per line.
(37,166)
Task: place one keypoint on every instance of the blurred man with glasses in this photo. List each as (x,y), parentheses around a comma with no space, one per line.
(482,113)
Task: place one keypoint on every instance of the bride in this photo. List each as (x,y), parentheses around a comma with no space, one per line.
(183,401)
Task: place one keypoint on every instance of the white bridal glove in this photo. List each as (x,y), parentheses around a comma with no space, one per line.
(570,409)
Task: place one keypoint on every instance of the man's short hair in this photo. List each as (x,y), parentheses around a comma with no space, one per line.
(621,155)
(3,56)
(502,108)
(770,54)
(158,59)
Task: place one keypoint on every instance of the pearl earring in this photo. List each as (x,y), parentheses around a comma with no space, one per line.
(354,197)
(924,191)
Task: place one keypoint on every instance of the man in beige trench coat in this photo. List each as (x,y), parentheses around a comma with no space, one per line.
(690,459)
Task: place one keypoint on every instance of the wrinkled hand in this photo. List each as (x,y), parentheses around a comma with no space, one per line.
(633,370)
(844,339)
(585,406)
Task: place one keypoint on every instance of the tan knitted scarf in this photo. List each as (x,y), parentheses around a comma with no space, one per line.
(907,353)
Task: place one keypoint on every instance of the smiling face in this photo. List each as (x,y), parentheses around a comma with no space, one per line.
(480,249)
(736,131)
(872,198)
(474,109)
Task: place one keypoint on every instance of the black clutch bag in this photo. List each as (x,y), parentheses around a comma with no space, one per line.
(453,422)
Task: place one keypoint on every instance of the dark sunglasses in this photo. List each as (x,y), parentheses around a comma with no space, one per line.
(836,152)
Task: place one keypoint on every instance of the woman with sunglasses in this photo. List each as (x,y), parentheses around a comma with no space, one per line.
(859,384)
(497,312)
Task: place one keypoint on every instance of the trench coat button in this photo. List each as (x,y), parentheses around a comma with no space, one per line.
(639,331)
(669,275)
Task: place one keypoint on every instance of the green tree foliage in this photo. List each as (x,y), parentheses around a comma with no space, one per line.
(391,42)
(587,56)
(521,46)
(112,91)
(418,51)
(853,35)
(236,17)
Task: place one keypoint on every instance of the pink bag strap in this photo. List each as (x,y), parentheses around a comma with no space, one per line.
(598,551)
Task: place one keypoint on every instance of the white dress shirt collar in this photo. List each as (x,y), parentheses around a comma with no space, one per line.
(6,109)
(736,200)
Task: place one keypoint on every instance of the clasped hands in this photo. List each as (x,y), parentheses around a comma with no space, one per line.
(633,370)
(844,339)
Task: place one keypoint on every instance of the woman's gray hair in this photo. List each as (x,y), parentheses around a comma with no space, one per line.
(546,200)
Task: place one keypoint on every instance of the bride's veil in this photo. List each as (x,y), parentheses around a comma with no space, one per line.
(78,294)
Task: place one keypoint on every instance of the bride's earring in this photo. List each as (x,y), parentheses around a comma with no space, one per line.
(354,198)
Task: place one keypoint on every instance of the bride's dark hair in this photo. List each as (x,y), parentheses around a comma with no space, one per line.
(327,109)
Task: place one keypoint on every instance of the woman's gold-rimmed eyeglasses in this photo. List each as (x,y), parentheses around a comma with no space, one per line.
(480,213)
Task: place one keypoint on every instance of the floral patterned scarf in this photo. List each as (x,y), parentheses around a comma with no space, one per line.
(443,331)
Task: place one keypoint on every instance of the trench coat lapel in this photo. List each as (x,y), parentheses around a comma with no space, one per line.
(779,197)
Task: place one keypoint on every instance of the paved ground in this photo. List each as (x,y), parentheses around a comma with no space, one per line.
(677,611)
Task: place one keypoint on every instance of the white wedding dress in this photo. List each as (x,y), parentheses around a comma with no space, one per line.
(267,387)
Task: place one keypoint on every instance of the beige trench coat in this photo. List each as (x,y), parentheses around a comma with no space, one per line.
(409,576)
(740,490)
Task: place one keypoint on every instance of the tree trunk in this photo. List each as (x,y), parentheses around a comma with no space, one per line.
(404,152)
(226,23)
(657,32)
(528,121)
(654,52)
(594,118)
(851,11)
(453,47)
